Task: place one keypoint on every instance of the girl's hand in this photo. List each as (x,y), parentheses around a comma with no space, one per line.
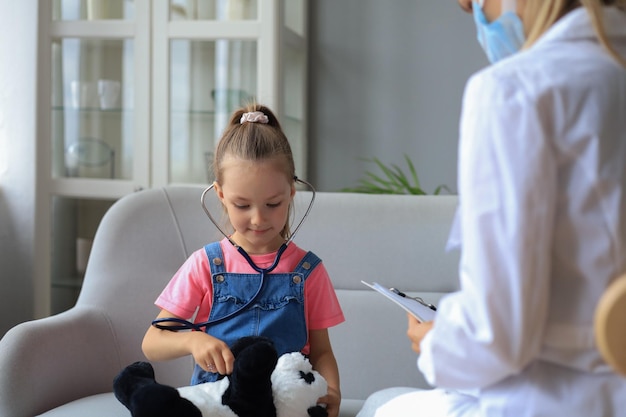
(417,331)
(323,361)
(332,400)
(211,354)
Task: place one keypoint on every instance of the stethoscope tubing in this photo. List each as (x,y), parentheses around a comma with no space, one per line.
(183,324)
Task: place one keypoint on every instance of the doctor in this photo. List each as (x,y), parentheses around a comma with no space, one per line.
(542,220)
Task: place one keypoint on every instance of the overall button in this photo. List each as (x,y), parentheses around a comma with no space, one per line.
(217,261)
(297,279)
(306,265)
(219,278)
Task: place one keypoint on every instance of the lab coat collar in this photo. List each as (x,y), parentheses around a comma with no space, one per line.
(577,25)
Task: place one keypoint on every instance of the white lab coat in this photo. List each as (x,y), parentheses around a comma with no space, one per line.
(542,223)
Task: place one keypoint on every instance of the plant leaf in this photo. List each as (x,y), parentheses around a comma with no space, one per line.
(413,171)
(392,180)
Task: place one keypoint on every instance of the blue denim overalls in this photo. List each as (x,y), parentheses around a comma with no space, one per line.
(277,312)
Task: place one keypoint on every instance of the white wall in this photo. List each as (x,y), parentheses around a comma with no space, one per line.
(386,78)
(18,52)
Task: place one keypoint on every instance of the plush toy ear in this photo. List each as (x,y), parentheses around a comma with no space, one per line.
(136,388)
(131,379)
(317,411)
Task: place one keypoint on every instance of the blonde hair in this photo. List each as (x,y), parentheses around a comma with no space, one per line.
(542,14)
(255,141)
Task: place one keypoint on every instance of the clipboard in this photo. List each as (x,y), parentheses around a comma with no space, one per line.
(418,310)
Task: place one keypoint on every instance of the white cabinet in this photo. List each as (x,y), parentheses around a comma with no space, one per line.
(135,93)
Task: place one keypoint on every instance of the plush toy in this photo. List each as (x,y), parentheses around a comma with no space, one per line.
(261,385)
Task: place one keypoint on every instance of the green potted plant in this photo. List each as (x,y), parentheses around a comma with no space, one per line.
(391,180)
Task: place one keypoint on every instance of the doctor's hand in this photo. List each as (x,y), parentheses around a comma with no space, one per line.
(417,331)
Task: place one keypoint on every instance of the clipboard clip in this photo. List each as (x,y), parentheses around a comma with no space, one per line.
(418,299)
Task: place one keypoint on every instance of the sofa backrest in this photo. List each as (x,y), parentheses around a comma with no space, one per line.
(394,240)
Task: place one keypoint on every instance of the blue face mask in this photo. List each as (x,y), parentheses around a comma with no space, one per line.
(500,38)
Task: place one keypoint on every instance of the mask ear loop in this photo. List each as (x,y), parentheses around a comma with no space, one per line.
(292,235)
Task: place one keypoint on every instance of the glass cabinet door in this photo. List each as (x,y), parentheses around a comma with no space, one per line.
(208,81)
(92,95)
(92,108)
(95,147)
(220,55)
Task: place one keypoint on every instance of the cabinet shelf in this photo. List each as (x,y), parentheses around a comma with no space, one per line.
(109,29)
(71,109)
(212,30)
(93,187)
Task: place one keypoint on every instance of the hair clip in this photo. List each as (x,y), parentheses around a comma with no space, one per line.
(254,117)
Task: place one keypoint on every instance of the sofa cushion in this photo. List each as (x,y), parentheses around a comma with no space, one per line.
(100,405)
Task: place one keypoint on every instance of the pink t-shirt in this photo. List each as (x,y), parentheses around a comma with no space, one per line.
(191,288)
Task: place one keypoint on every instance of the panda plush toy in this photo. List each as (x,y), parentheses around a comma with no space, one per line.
(261,385)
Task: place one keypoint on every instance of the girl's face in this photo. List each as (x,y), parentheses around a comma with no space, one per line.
(256,195)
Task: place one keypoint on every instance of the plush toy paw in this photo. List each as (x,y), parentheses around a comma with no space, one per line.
(249,393)
(136,388)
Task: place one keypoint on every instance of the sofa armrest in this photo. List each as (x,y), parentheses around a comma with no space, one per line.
(49,362)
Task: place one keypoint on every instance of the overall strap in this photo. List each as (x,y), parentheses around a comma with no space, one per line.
(216,258)
(307,264)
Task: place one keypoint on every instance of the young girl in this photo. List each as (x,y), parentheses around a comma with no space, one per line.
(255,181)
(542,220)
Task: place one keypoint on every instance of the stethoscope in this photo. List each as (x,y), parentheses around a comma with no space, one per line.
(182,324)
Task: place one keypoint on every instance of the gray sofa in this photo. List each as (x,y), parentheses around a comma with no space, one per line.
(64,365)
